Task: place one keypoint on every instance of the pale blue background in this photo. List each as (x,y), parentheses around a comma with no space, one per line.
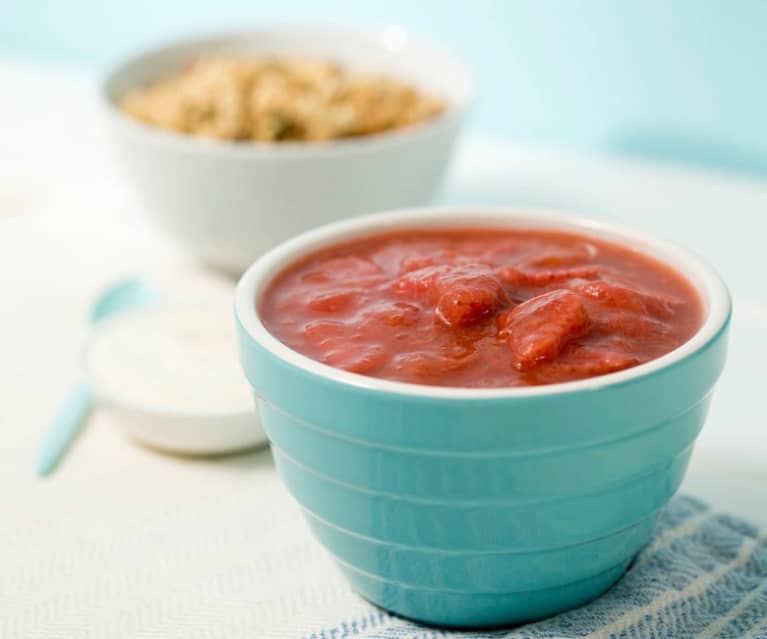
(682,80)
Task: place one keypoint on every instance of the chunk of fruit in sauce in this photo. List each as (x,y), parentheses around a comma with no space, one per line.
(357,358)
(582,363)
(629,299)
(464,293)
(540,328)
(342,269)
(334,301)
(524,276)
(395,314)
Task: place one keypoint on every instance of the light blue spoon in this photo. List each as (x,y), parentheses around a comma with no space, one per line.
(124,295)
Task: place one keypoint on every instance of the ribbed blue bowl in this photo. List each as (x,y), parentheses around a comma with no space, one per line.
(465,507)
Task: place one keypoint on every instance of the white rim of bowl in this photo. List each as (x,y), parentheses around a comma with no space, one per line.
(452,116)
(703,277)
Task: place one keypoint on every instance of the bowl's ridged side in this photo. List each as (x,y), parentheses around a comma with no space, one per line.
(477,571)
(477,513)
(468,525)
(524,473)
(409,542)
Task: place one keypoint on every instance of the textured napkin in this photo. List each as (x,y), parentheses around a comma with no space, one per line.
(703,576)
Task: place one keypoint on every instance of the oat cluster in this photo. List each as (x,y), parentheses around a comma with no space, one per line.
(275,100)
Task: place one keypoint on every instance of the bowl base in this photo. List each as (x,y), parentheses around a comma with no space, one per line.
(471,611)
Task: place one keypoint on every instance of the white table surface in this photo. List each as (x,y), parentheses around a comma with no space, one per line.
(95,550)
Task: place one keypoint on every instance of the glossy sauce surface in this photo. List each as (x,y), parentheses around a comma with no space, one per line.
(481,308)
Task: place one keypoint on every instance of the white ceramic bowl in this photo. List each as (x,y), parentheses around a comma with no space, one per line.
(185,434)
(170,424)
(229,202)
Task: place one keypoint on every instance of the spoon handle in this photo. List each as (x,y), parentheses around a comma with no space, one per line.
(66,425)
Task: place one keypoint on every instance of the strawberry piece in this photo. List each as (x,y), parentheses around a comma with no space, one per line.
(343,269)
(587,363)
(332,338)
(625,298)
(419,365)
(396,314)
(415,263)
(421,283)
(357,358)
(635,327)
(524,276)
(324,332)
(581,364)
(464,293)
(538,329)
(585,252)
(333,301)
(464,304)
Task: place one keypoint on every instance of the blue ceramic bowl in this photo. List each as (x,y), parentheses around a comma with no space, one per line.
(481,507)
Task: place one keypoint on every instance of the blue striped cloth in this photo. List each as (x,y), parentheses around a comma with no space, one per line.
(703,576)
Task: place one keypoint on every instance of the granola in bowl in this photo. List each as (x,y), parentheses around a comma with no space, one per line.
(265,99)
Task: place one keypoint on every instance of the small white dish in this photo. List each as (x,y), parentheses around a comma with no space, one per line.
(164,375)
(228,202)
(186,434)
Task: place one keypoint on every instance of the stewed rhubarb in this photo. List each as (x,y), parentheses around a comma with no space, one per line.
(479,307)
